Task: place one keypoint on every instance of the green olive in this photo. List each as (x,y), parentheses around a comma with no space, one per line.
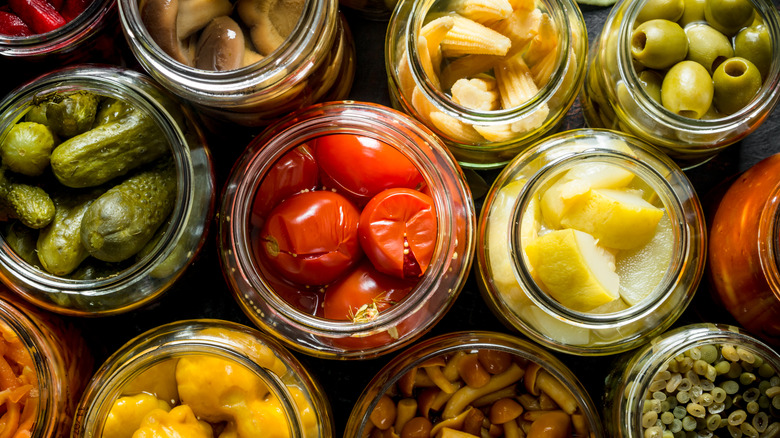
(729,16)
(651,80)
(753,44)
(736,82)
(670,10)
(707,46)
(687,90)
(693,12)
(659,43)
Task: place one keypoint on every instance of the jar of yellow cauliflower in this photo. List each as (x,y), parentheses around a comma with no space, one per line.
(203,379)
(590,242)
(488,76)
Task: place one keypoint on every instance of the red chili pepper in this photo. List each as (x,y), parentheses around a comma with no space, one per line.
(73,8)
(39,15)
(12,25)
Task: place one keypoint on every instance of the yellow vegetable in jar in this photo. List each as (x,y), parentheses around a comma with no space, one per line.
(158,380)
(253,348)
(176,423)
(128,412)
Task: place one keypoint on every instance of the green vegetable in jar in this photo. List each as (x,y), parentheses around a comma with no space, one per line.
(753,44)
(729,16)
(651,81)
(122,220)
(59,243)
(110,110)
(693,11)
(108,151)
(687,90)
(30,204)
(22,240)
(71,114)
(707,46)
(736,83)
(670,10)
(659,44)
(37,113)
(27,147)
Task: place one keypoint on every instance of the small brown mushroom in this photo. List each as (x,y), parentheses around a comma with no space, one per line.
(220,46)
(383,415)
(270,22)
(194,15)
(472,372)
(505,410)
(159,17)
(406,382)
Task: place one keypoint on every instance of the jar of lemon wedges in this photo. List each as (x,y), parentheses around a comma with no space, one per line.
(590,242)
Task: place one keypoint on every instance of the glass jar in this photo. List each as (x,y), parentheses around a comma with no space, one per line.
(743,251)
(59,362)
(513,369)
(628,384)
(171,363)
(102,287)
(485,134)
(634,283)
(260,293)
(315,63)
(613,96)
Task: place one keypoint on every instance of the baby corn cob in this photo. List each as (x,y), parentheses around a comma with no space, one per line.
(426,61)
(466,67)
(520,27)
(531,121)
(545,41)
(482,11)
(478,93)
(405,80)
(467,37)
(434,32)
(421,104)
(542,70)
(496,133)
(515,83)
(455,129)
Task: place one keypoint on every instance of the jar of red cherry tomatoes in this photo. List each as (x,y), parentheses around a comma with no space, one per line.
(744,250)
(44,367)
(346,229)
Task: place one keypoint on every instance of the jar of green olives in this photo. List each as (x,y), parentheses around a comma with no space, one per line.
(696,380)
(107,190)
(690,77)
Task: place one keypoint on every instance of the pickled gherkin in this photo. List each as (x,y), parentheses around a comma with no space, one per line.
(73,113)
(30,204)
(27,147)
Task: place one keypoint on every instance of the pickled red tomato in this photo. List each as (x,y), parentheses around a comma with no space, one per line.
(311,238)
(364,286)
(294,172)
(398,231)
(362,166)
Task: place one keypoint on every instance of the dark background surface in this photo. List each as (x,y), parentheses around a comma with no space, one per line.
(202,291)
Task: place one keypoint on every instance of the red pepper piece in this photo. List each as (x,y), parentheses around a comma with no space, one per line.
(39,15)
(12,25)
(73,8)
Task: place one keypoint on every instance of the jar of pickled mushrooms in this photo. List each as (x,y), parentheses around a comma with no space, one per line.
(488,76)
(246,62)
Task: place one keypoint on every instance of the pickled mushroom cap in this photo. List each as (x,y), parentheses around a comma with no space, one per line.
(159,17)
(220,46)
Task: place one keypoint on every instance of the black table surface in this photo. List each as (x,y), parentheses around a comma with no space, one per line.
(203,293)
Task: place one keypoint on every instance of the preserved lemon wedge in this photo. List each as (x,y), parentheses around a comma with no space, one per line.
(574,269)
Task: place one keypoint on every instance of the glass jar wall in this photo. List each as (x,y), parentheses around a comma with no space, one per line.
(590,242)
(316,284)
(111,216)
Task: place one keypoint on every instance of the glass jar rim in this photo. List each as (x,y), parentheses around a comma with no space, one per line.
(765,101)
(768,243)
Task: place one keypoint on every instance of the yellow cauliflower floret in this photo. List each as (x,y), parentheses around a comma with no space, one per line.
(158,380)
(253,348)
(308,416)
(262,418)
(127,413)
(180,422)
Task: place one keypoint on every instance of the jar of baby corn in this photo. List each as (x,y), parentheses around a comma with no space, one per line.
(472,384)
(488,76)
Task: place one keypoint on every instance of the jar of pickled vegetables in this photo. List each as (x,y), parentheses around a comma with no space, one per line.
(248,62)
(108,190)
(346,230)
(700,379)
(203,378)
(590,242)
(488,76)
(743,251)
(468,384)
(45,366)
(688,77)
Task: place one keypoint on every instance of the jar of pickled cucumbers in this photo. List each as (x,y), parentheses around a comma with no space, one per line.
(590,242)
(743,251)
(467,384)
(488,76)
(108,190)
(700,379)
(203,378)
(690,77)
(46,365)
(346,229)
(247,62)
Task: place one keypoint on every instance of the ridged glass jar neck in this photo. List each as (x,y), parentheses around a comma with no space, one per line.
(63,38)
(384,125)
(626,12)
(292,61)
(558,11)
(768,243)
(135,89)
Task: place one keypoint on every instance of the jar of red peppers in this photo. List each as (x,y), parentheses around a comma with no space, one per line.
(474,384)
(201,379)
(744,250)
(249,61)
(346,229)
(44,367)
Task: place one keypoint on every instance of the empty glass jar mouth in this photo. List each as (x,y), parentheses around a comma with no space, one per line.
(765,99)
